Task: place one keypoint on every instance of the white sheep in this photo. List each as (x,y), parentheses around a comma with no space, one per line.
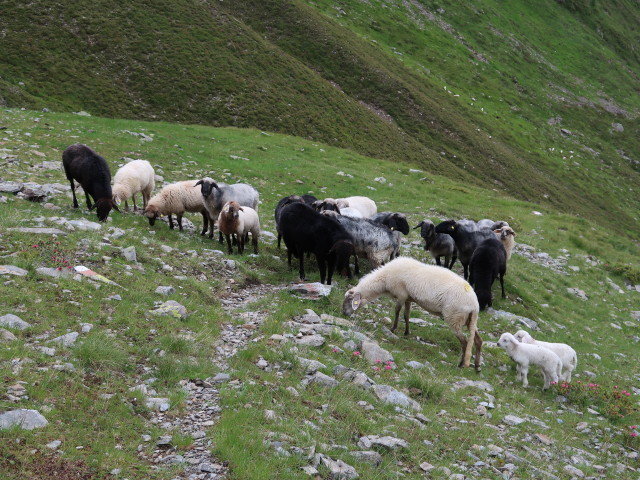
(133,177)
(364,205)
(178,198)
(507,236)
(567,354)
(436,289)
(525,354)
(239,221)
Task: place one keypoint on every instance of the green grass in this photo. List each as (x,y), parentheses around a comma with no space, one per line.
(127,346)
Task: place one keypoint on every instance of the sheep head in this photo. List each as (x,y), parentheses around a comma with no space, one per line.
(507,342)
(231,209)
(398,222)
(103,206)
(208,184)
(151,212)
(523,337)
(343,250)
(448,226)
(352,301)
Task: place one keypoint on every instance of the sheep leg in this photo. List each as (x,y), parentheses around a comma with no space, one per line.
(220,237)
(454,258)
(322,266)
(133,200)
(205,223)
(478,343)
(88,201)
(397,315)
(502,285)
(466,271)
(73,192)
(254,241)
(456,326)
(240,243)
(230,249)
(355,265)
(301,270)
(279,238)
(438,260)
(407,314)
(524,370)
(179,217)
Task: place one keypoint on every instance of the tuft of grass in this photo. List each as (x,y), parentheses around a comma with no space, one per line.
(101,353)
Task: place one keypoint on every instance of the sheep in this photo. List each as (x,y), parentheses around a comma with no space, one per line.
(525,354)
(91,171)
(305,230)
(217,194)
(326,204)
(281,204)
(466,236)
(364,205)
(376,242)
(567,354)
(436,289)
(438,244)
(396,222)
(178,198)
(133,177)
(488,262)
(241,221)
(506,235)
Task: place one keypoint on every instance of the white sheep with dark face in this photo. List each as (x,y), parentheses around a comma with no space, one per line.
(525,354)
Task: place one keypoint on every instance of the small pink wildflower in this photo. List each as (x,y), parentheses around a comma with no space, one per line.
(634,434)
(375,369)
(356,354)
(335,349)
(554,383)
(34,246)
(388,367)
(633,427)
(378,360)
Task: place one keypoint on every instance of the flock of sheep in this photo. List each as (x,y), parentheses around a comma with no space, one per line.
(335,230)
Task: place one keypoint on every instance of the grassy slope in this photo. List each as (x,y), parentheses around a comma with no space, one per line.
(367,77)
(124,348)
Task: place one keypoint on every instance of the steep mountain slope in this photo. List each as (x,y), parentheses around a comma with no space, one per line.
(538,100)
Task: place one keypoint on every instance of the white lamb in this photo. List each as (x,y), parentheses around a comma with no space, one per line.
(567,354)
(239,221)
(436,289)
(364,205)
(178,198)
(133,177)
(525,354)
(506,235)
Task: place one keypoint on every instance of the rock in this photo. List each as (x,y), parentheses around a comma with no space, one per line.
(323,380)
(164,441)
(575,472)
(13,321)
(168,290)
(426,467)
(514,319)
(368,456)
(513,420)
(12,270)
(85,225)
(130,254)
(37,230)
(341,322)
(387,442)
(54,272)
(373,353)
(309,470)
(578,293)
(481,384)
(618,127)
(544,439)
(311,366)
(311,340)
(338,469)
(65,340)
(171,308)
(221,378)
(11,187)
(23,418)
(390,395)
(161,404)
(311,290)
(7,336)
(54,445)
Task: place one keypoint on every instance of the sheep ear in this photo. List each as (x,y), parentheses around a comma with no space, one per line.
(418,225)
(93,207)
(497,231)
(215,185)
(241,209)
(338,210)
(200,182)
(115,207)
(356,301)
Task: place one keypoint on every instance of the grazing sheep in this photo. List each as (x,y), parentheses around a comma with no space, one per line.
(178,198)
(467,236)
(329,204)
(281,204)
(396,222)
(376,242)
(91,171)
(217,194)
(525,354)
(133,177)
(436,289)
(305,230)
(364,205)
(488,262)
(506,235)
(239,221)
(438,244)
(567,354)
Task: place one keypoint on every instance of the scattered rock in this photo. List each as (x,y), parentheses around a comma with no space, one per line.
(54,272)
(84,225)
(322,379)
(23,418)
(314,291)
(168,290)
(38,230)
(481,384)
(7,336)
(374,353)
(387,442)
(513,420)
(130,254)
(578,293)
(66,340)
(171,308)
(13,321)
(12,270)
(368,456)
(310,340)
(390,395)
(338,469)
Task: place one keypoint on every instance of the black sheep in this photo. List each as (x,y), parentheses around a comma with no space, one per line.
(91,171)
(467,236)
(305,230)
(438,244)
(488,262)
(308,199)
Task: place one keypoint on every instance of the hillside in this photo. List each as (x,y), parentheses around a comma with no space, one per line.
(246,382)
(535,100)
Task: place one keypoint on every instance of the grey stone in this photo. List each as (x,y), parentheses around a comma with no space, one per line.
(7,336)
(338,469)
(170,308)
(311,340)
(85,225)
(164,441)
(13,321)
(390,395)
(54,272)
(578,293)
(368,456)
(481,384)
(373,353)
(323,380)
(571,470)
(513,420)
(388,442)
(12,270)
(313,291)
(38,230)
(130,254)
(161,404)
(311,366)
(165,290)
(66,340)
(23,418)
(54,445)
(11,187)
(514,319)
(221,378)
